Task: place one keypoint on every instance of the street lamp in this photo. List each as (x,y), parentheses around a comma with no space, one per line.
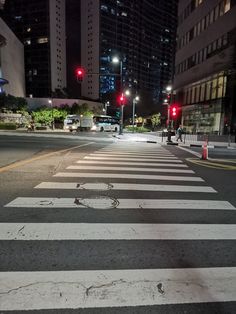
(168,101)
(117,60)
(134,102)
(50,102)
(107,104)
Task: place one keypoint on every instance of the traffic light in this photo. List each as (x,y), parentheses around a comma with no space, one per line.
(173,112)
(80,72)
(121,100)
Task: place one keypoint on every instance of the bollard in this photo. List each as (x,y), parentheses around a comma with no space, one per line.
(205,151)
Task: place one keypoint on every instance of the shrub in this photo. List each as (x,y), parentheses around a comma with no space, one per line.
(7,126)
(137,129)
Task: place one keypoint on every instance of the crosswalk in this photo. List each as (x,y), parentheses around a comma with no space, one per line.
(119,232)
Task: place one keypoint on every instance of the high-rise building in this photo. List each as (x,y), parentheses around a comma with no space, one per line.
(142,34)
(12,73)
(40,25)
(205,66)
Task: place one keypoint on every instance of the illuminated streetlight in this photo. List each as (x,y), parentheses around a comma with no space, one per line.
(115,59)
(51,104)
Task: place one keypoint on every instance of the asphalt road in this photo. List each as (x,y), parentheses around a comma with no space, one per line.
(186,265)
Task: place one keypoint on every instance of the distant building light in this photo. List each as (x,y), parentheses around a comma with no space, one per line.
(29,29)
(27,42)
(42,40)
(18,17)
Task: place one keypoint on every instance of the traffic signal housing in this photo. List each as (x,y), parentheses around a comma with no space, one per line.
(174,112)
(80,73)
(121,100)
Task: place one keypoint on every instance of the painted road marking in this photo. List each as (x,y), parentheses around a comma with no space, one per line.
(211,164)
(136,155)
(104,202)
(127,176)
(124,163)
(134,159)
(125,186)
(113,231)
(24,162)
(136,169)
(115,288)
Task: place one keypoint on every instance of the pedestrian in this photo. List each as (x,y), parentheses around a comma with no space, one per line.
(179,133)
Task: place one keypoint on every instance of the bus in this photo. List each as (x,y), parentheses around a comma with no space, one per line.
(103,123)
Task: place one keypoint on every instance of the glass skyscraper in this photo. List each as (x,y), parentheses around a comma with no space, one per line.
(142,34)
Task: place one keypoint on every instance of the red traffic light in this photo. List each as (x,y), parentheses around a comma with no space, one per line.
(121,100)
(174,111)
(80,72)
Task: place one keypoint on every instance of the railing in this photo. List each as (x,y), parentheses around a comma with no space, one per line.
(200,138)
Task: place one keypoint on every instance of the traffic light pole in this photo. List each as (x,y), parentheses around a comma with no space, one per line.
(169,122)
(121,118)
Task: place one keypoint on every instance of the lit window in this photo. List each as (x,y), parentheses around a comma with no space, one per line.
(42,40)
(104,8)
(124,14)
(18,17)
(27,42)
(29,29)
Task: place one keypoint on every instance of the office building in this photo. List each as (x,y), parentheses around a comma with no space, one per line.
(142,34)
(205,66)
(40,25)
(12,74)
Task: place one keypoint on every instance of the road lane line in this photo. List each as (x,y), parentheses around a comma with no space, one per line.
(125,186)
(105,202)
(115,288)
(24,162)
(127,176)
(136,169)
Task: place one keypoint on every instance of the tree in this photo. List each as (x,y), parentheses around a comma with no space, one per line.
(81,109)
(156,120)
(13,103)
(47,116)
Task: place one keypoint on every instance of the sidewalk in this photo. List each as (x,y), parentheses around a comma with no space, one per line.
(153,137)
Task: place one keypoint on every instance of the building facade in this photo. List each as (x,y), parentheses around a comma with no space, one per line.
(142,34)
(40,25)
(12,74)
(205,65)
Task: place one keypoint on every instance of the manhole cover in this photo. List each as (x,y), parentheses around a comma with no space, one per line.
(100,202)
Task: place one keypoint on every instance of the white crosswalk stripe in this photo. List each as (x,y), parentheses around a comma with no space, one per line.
(111,203)
(127,176)
(128,163)
(97,289)
(98,231)
(107,288)
(137,169)
(125,186)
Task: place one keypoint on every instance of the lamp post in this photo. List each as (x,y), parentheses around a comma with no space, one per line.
(51,104)
(107,104)
(135,100)
(117,60)
(169,101)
